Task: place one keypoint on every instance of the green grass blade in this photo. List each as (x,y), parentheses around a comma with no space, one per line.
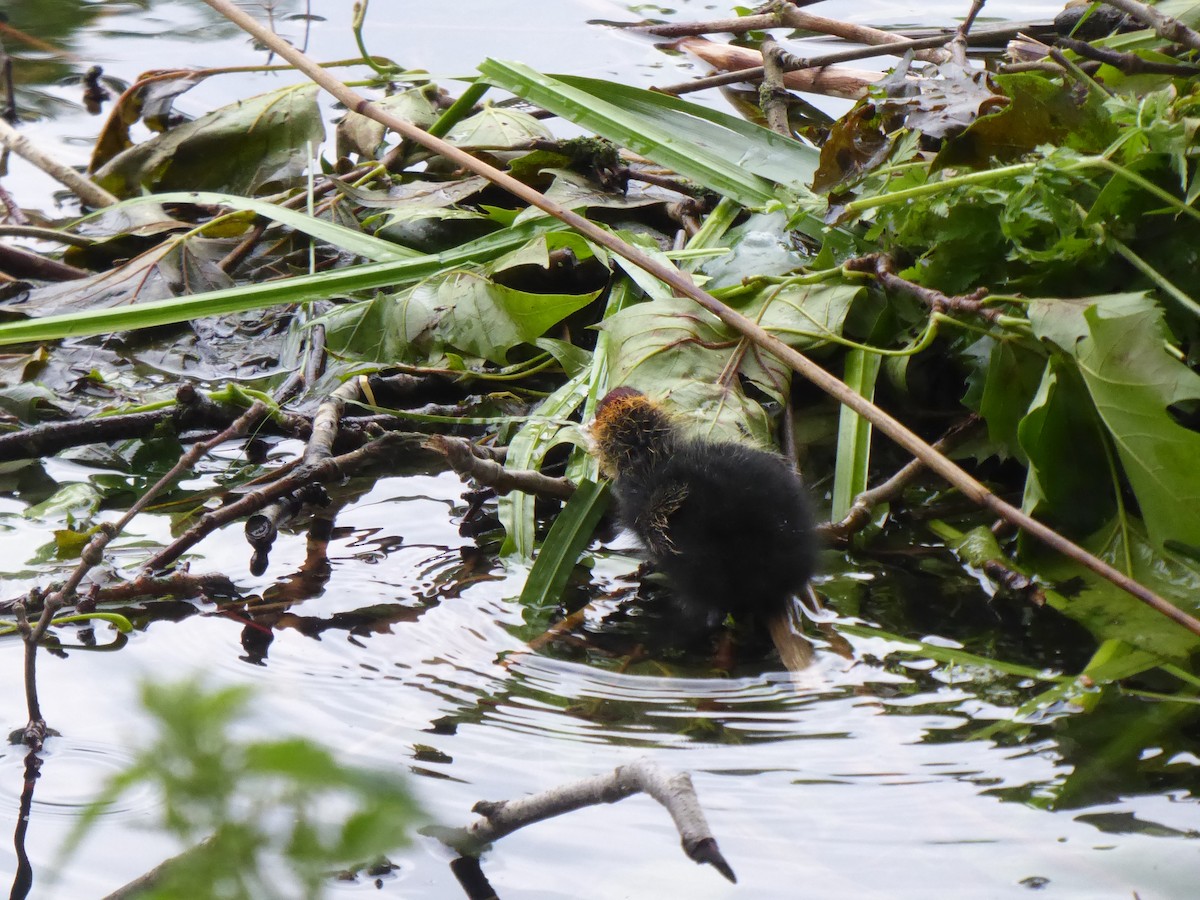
(782,160)
(854,434)
(372,248)
(273,293)
(568,538)
(668,135)
(526,451)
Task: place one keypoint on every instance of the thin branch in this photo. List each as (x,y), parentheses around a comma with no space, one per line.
(1164,26)
(471,461)
(93,553)
(328,469)
(1129,63)
(23,263)
(739,25)
(859,514)
(772,97)
(683,284)
(86,190)
(883,268)
(673,790)
(892,47)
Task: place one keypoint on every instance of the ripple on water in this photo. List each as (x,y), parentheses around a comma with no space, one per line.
(70,774)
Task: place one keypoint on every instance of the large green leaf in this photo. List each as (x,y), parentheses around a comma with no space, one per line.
(673,350)
(1069,483)
(237,148)
(1106,610)
(669,131)
(486,319)
(1118,343)
(463,310)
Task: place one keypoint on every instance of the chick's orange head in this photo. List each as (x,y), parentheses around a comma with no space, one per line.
(628,425)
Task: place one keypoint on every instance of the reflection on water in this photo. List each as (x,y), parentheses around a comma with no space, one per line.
(392,638)
(394,662)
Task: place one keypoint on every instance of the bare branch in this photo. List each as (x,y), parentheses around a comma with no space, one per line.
(471,461)
(673,790)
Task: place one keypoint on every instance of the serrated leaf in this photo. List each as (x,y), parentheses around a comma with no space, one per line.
(1118,343)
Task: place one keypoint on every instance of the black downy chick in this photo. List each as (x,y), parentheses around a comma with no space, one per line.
(729,525)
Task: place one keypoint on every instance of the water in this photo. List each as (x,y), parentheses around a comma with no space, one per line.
(857,781)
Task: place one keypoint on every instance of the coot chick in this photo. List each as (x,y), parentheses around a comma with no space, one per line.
(729,525)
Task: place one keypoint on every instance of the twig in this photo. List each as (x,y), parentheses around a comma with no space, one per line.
(24,264)
(957,46)
(746,65)
(1164,26)
(673,790)
(1129,63)
(772,98)
(740,25)
(86,190)
(882,267)
(893,47)
(683,284)
(93,553)
(326,470)
(471,461)
(859,514)
(14,212)
(862,34)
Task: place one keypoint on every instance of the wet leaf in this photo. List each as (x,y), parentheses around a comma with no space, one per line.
(1106,610)
(1013,375)
(178,266)
(237,148)
(1040,111)
(1117,341)
(496,127)
(674,350)
(364,136)
(152,100)
(946,105)
(1069,483)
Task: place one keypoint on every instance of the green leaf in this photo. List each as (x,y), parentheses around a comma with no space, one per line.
(568,537)
(854,434)
(1106,610)
(1039,112)
(1069,483)
(526,450)
(1013,375)
(496,126)
(486,319)
(1118,343)
(669,131)
(676,351)
(237,148)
